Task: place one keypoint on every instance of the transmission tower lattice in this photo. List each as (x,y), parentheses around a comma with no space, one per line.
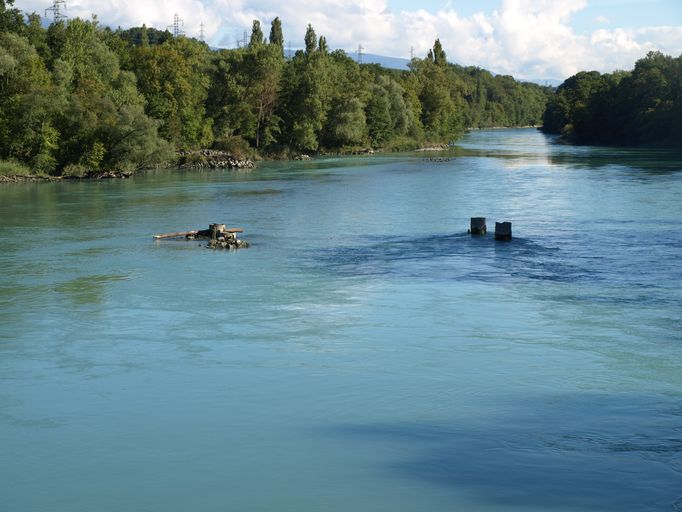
(177,26)
(56,11)
(201,34)
(360,48)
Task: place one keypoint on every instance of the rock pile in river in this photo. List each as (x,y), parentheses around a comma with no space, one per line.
(212,159)
(228,242)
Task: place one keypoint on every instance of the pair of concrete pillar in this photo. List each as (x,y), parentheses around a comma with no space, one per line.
(503,230)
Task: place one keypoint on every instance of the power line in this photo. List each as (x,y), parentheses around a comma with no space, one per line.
(177,26)
(56,10)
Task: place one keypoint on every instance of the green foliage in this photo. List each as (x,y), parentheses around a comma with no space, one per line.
(257,37)
(13,168)
(439,57)
(623,108)
(143,36)
(348,123)
(174,80)
(236,146)
(27,110)
(379,115)
(310,40)
(74,171)
(322,45)
(77,98)
(11,19)
(93,157)
(244,93)
(79,109)
(276,35)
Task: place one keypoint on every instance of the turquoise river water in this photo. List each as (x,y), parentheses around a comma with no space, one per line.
(365,354)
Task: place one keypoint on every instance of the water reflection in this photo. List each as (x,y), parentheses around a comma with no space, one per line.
(88,289)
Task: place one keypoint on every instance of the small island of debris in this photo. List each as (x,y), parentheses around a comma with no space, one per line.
(219,236)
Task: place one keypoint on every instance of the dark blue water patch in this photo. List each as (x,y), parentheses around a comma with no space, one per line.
(455,257)
(639,262)
(573,452)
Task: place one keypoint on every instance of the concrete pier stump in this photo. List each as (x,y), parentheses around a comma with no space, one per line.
(215,230)
(503,231)
(478,226)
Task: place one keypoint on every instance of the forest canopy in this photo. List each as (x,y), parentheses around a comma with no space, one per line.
(642,106)
(78,97)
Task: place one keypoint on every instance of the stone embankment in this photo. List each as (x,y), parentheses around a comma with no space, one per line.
(104,175)
(439,147)
(212,159)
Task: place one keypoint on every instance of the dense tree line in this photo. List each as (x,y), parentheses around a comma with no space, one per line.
(77,97)
(643,106)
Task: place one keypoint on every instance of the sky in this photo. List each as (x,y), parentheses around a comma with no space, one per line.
(529,39)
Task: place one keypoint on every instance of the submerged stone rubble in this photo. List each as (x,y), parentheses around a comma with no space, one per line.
(228,243)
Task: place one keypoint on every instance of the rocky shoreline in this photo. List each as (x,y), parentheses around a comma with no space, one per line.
(189,160)
(32,178)
(212,159)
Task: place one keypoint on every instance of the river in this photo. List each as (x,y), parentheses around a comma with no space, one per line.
(365,353)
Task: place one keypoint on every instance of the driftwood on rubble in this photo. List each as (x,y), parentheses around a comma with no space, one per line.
(218,235)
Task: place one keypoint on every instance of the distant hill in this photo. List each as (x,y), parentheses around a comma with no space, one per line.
(387,62)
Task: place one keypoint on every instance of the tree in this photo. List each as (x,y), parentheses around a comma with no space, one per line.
(28,105)
(379,116)
(276,35)
(103,120)
(624,108)
(322,45)
(245,92)
(175,83)
(310,40)
(11,19)
(348,122)
(439,57)
(37,36)
(257,38)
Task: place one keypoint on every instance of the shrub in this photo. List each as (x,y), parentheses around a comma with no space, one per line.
(236,146)
(13,168)
(74,171)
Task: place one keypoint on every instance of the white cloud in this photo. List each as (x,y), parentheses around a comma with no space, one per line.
(524,38)
(602,20)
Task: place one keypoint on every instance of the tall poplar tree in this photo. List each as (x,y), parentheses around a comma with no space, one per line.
(310,40)
(276,35)
(257,37)
(439,57)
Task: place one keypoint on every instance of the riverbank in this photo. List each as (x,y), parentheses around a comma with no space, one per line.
(201,159)
(39,178)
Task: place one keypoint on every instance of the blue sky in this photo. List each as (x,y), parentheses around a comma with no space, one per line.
(531,39)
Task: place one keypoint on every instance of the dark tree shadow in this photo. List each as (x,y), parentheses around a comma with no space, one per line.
(575,453)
